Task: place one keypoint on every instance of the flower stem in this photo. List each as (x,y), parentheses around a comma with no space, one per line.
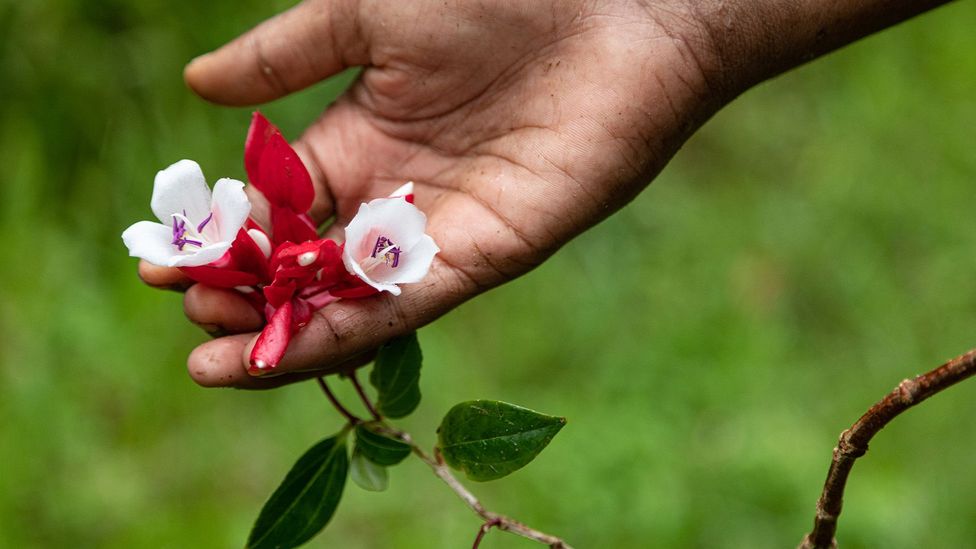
(364,397)
(336,404)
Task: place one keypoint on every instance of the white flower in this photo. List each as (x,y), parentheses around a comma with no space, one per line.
(196,227)
(386,244)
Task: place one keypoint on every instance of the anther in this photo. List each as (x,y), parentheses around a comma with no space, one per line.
(307,258)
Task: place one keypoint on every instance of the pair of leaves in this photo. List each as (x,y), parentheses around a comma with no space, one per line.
(396,377)
(374,452)
(488,439)
(306,499)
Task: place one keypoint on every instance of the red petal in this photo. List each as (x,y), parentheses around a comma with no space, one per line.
(220,278)
(275,168)
(279,293)
(257,135)
(353,288)
(287,226)
(273,341)
(301,315)
(247,256)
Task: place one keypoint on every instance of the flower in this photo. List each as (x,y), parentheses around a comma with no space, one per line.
(386,245)
(196,227)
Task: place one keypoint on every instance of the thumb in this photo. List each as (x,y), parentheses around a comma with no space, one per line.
(310,42)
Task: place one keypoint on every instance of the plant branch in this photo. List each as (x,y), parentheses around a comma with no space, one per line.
(336,404)
(492,519)
(436,463)
(363,396)
(484,530)
(853,442)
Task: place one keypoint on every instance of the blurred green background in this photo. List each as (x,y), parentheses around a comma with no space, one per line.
(813,245)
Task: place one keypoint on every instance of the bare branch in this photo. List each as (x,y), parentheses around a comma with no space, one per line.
(853,442)
(492,519)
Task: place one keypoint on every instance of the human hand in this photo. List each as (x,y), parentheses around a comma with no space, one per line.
(522,124)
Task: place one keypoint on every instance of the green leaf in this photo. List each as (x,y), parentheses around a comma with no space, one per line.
(305,500)
(488,439)
(379,448)
(368,475)
(396,376)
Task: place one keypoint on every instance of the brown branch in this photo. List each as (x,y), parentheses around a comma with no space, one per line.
(853,442)
(484,530)
(492,519)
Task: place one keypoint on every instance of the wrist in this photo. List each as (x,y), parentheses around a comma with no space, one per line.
(745,43)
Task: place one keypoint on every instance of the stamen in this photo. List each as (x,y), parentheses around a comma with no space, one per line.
(204,223)
(387,250)
(307,258)
(179,234)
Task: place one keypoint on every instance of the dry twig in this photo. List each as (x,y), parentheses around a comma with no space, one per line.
(853,442)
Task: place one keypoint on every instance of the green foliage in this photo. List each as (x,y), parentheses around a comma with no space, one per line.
(396,376)
(379,448)
(488,439)
(367,474)
(305,500)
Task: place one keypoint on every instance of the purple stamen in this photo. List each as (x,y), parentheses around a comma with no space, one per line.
(179,232)
(179,229)
(204,223)
(391,254)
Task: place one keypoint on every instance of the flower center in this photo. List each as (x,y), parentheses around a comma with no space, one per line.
(384,252)
(387,251)
(180,238)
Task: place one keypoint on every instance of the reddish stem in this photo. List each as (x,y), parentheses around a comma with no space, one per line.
(336,404)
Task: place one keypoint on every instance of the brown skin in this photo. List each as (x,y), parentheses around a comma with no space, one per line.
(521,123)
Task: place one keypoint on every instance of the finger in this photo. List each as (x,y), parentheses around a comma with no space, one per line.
(164,278)
(312,41)
(217,364)
(220,312)
(349,328)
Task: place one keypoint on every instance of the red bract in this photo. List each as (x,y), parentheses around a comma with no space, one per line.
(275,169)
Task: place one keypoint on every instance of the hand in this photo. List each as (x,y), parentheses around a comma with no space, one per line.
(522,124)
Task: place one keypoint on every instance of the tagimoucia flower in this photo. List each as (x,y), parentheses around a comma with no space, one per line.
(386,244)
(196,227)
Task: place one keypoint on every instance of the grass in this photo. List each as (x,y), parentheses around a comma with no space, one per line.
(809,248)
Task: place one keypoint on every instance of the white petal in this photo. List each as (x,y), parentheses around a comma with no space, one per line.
(230,208)
(195,257)
(357,232)
(150,241)
(181,188)
(395,218)
(406,189)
